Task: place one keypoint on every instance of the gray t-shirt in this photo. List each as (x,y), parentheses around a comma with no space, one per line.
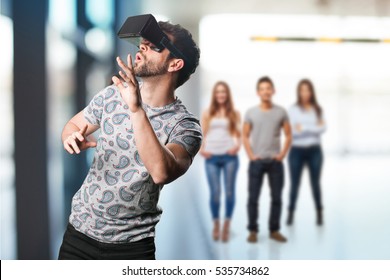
(265,130)
(117,202)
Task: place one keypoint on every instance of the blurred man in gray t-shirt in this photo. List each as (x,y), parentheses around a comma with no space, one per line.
(266,127)
(261,136)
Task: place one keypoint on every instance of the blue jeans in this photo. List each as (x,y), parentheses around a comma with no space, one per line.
(275,171)
(297,159)
(214,166)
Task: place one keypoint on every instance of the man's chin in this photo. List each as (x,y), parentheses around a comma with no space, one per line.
(137,71)
(139,74)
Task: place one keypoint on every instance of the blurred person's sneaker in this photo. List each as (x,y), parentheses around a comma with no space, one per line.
(277,236)
(290,218)
(252,238)
(320,220)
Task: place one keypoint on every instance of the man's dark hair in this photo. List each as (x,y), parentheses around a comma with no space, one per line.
(182,39)
(264,79)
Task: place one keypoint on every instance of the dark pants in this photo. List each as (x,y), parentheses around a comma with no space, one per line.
(78,246)
(228,165)
(297,159)
(257,169)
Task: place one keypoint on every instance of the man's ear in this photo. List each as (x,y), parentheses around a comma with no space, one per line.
(175,65)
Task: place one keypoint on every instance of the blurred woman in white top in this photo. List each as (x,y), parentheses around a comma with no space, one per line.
(307,122)
(221,131)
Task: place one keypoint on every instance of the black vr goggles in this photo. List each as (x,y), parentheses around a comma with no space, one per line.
(145,26)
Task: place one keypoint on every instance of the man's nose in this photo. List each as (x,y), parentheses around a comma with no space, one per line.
(142,47)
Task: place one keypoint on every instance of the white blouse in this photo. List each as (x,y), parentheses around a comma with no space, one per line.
(311,129)
(218,138)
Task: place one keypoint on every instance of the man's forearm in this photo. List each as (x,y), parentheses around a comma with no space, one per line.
(248,148)
(158,159)
(287,144)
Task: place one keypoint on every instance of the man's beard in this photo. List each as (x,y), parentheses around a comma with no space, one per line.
(148,69)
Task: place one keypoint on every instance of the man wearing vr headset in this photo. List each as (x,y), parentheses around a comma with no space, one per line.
(147,139)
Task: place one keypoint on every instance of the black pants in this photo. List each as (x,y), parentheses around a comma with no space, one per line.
(78,246)
(275,171)
(297,159)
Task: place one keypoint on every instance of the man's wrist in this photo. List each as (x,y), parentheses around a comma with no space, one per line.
(139,113)
(139,119)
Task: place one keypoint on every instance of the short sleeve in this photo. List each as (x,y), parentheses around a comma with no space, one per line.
(94,110)
(188,134)
(247,117)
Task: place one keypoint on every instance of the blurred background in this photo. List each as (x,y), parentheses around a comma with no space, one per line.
(56,54)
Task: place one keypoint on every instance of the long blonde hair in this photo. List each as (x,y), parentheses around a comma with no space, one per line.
(231,113)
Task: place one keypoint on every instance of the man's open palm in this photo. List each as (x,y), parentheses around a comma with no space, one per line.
(130,89)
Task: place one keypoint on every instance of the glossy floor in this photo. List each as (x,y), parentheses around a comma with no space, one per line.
(356,193)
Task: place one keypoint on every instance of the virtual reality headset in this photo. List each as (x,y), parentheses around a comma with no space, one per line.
(145,26)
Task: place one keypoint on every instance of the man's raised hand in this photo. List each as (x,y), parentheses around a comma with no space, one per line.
(130,91)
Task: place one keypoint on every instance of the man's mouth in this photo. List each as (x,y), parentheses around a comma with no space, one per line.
(138,57)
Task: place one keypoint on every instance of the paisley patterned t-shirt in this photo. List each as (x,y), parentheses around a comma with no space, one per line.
(117,202)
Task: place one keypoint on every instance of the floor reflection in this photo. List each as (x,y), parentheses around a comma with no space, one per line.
(354,226)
